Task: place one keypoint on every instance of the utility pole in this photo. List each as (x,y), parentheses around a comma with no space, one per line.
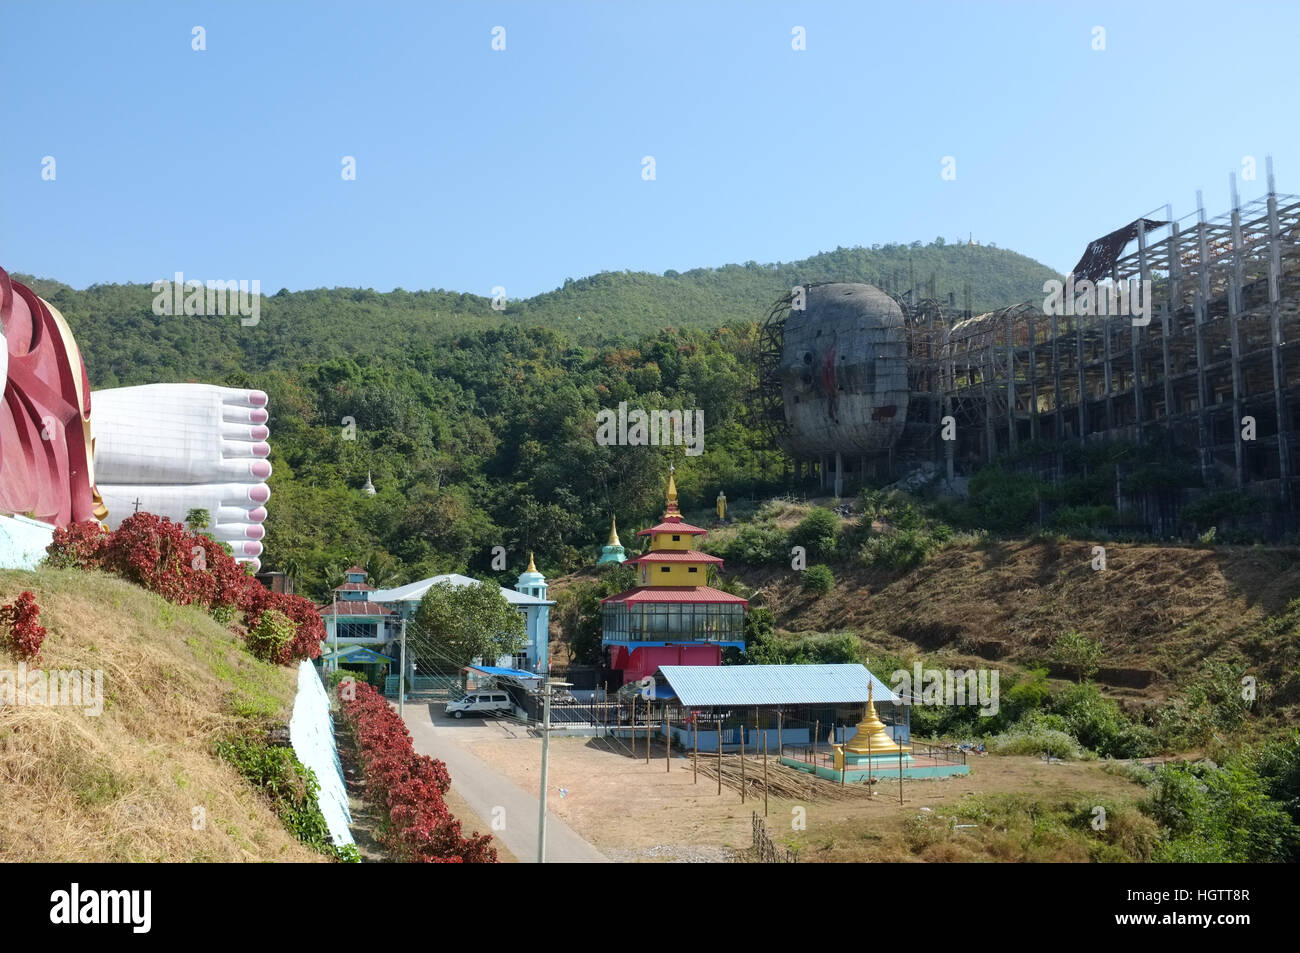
(401,675)
(546,753)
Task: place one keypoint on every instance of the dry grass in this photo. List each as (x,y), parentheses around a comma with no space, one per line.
(1158,610)
(123,786)
(635,811)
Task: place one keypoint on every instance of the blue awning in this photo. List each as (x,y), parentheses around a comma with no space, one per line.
(508,672)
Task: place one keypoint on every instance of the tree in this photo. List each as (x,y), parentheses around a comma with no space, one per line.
(467,622)
(198,519)
(1076,652)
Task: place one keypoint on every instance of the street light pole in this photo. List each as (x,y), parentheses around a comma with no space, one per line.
(401,676)
(546,752)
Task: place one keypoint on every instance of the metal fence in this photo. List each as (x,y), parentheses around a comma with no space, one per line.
(424,683)
(765,849)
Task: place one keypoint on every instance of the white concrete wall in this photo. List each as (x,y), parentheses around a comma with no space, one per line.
(23,541)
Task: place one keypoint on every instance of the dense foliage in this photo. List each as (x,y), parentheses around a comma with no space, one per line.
(193,569)
(407,788)
(478,425)
(125,343)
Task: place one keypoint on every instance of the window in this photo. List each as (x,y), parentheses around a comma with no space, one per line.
(665,568)
(677,539)
(692,569)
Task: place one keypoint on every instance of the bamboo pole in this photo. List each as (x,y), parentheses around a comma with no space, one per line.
(719,757)
(668,740)
(695,757)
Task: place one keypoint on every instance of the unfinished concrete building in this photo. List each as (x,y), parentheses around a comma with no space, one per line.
(1213,368)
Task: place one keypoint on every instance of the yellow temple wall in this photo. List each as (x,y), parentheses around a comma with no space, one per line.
(678,574)
(684,542)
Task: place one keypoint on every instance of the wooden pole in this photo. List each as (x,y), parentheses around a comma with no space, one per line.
(668,740)
(719,757)
(780,748)
(817,728)
(647,731)
(765,774)
(742,762)
(695,758)
(900,770)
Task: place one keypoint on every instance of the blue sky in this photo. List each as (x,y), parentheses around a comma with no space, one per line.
(477,168)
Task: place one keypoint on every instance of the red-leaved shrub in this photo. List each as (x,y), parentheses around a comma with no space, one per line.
(187,569)
(408,788)
(25,633)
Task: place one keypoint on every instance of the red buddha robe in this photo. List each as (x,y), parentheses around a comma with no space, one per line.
(46,452)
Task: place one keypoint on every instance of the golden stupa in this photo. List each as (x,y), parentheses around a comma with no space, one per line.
(872,738)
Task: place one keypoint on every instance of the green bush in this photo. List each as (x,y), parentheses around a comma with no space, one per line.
(1100,726)
(1219,814)
(821,649)
(1077,653)
(292,788)
(1212,508)
(898,551)
(1034,736)
(759,545)
(817,533)
(270,634)
(1004,502)
(818,579)
(1081,520)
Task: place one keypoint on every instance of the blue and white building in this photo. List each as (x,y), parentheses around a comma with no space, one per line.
(528,597)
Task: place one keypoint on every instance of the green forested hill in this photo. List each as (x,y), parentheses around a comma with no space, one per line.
(123,342)
(479,426)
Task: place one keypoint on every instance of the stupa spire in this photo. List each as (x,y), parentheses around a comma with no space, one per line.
(672,496)
(872,737)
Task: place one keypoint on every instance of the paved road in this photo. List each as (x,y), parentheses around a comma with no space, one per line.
(485,789)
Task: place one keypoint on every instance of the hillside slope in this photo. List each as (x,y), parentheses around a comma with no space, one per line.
(1159,611)
(123,786)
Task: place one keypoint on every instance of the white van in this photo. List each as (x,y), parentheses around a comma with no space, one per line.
(481,703)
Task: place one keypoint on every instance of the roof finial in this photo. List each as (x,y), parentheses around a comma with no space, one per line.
(613,532)
(532,567)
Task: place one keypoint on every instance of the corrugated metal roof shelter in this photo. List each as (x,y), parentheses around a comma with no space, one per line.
(702,686)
